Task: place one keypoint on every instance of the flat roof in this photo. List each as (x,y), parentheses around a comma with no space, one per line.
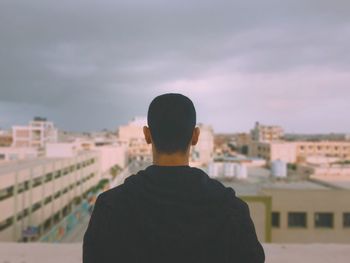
(341,183)
(11,166)
(298,185)
(259,178)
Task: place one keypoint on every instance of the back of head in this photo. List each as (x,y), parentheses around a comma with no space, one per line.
(171,118)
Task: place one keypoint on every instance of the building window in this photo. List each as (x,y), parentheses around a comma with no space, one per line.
(48,200)
(58,174)
(22,214)
(47,224)
(324,220)
(56,217)
(36,206)
(20,187)
(275,219)
(346,219)
(65,171)
(48,177)
(57,195)
(6,193)
(37,181)
(297,219)
(6,223)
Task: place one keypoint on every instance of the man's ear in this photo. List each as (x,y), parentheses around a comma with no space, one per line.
(147,133)
(195,136)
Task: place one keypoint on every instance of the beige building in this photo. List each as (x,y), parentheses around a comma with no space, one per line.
(131,135)
(203,152)
(39,193)
(310,215)
(339,149)
(293,152)
(295,211)
(272,151)
(5,139)
(265,133)
(36,134)
(17,153)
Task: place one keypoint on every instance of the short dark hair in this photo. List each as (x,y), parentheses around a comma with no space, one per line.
(171,118)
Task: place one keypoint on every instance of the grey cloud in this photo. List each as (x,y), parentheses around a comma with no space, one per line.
(96,58)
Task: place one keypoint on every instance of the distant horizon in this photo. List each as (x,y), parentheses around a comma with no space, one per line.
(215,130)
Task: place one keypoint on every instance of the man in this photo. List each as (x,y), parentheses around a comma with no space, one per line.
(171,212)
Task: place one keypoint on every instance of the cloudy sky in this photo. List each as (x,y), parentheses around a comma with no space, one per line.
(89,65)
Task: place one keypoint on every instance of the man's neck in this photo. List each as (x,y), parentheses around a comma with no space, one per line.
(175,159)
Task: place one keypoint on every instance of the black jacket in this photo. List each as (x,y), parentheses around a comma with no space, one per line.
(171,214)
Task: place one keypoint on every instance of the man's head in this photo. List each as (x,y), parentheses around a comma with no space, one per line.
(171,124)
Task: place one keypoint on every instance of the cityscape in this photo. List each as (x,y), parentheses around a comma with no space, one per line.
(297,188)
(270,84)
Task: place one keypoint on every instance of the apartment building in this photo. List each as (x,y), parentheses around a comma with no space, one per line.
(17,153)
(340,149)
(265,133)
(271,151)
(309,215)
(131,135)
(293,152)
(202,153)
(36,134)
(39,193)
(5,139)
(288,211)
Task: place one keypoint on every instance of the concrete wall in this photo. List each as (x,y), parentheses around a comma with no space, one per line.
(311,202)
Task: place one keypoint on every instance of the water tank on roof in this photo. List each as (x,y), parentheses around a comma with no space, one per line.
(214,169)
(241,171)
(279,169)
(229,169)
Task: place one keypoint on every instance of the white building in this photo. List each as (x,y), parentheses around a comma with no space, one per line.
(36,134)
(109,155)
(17,153)
(132,136)
(203,152)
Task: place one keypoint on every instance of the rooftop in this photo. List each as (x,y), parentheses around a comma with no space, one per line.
(259,178)
(72,253)
(11,166)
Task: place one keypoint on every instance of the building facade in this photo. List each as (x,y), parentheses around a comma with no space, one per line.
(310,215)
(5,139)
(297,212)
(265,133)
(296,152)
(131,135)
(39,193)
(17,153)
(202,153)
(36,134)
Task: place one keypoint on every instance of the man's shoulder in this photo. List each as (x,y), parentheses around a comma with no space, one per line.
(118,192)
(229,193)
